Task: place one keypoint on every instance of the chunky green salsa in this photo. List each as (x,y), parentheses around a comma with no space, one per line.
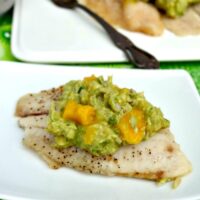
(99,117)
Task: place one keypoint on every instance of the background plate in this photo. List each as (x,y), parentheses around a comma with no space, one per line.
(23,175)
(43,32)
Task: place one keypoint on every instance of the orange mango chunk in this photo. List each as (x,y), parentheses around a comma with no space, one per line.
(82,114)
(132,126)
(90,78)
(89,135)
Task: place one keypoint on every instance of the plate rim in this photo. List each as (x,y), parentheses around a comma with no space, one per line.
(45,67)
(72,57)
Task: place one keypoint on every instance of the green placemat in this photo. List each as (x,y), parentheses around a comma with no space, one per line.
(5,36)
(5,53)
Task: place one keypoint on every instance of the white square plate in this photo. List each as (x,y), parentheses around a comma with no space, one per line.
(43,32)
(23,175)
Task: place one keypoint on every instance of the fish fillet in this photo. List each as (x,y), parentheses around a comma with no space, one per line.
(36,104)
(143,17)
(157,158)
(137,16)
(188,24)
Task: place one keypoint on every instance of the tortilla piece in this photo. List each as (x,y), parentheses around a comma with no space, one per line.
(188,24)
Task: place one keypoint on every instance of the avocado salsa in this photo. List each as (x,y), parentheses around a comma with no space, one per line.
(99,117)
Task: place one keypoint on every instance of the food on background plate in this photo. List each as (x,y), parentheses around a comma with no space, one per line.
(149,17)
(94,126)
(129,15)
(188,24)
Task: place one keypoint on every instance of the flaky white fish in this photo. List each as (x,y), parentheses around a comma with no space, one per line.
(157,158)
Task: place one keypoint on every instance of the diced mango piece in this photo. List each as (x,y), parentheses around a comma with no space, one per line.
(70,109)
(89,135)
(90,78)
(82,114)
(132,126)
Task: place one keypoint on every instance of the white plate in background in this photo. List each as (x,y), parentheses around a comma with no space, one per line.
(45,33)
(23,175)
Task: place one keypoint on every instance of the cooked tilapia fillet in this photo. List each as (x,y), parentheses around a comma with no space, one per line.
(143,17)
(138,16)
(188,24)
(157,158)
(37,104)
